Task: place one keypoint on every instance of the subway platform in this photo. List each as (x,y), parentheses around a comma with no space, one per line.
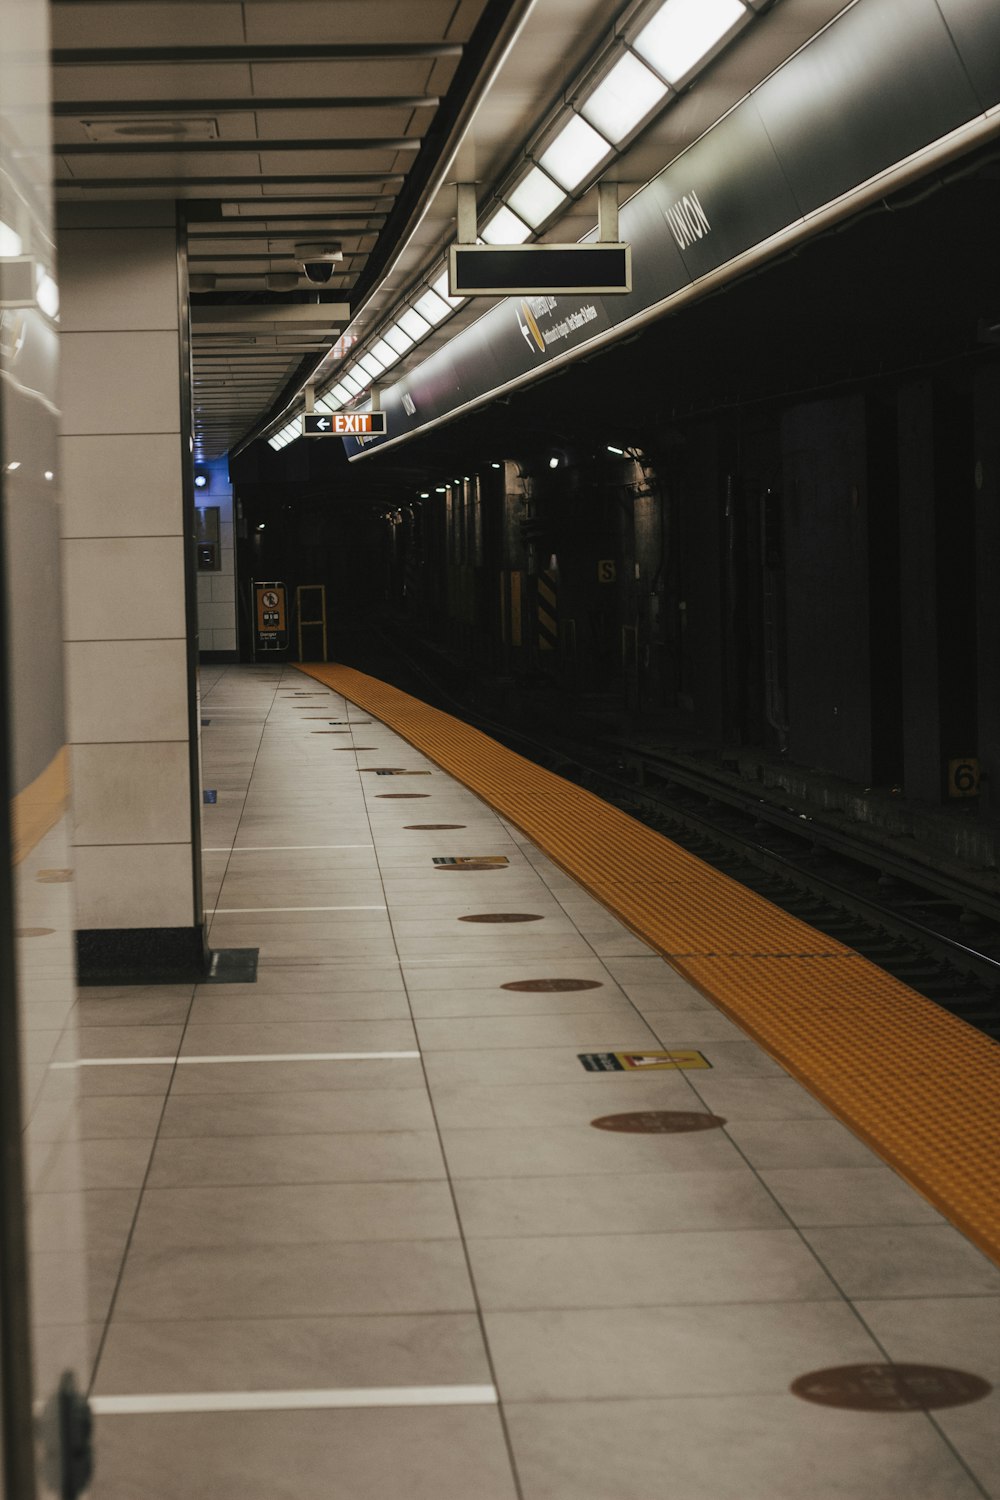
(472,1196)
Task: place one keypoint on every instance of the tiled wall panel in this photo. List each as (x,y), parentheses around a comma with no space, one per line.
(131,794)
(122,484)
(127,690)
(124,566)
(134,885)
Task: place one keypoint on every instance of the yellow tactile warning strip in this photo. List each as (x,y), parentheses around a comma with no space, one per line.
(40,805)
(921,1087)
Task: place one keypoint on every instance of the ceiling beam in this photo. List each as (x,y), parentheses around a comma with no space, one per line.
(221,185)
(181,147)
(306,52)
(73,108)
(243,224)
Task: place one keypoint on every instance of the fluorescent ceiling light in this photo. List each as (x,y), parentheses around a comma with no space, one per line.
(384,353)
(414,324)
(441,287)
(682,31)
(505,228)
(371,366)
(353,384)
(46,293)
(574,153)
(399,340)
(328,402)
(273,443)
(536,197)
(10,241)
(432,307)
(341,392)
(623,98)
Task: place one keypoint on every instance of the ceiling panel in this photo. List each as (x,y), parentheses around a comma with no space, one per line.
(146,25)
(328,124)
(347,80)
(350,20)
(152,82)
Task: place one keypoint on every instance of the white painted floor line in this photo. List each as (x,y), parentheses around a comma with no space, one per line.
(236,910)
(401,1395)
(235,1057)
(115,1062)
(277,848)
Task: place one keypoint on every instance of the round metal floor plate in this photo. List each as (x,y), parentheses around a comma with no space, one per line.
(890,1387)
(659,1122)
(502,916)
(551,986)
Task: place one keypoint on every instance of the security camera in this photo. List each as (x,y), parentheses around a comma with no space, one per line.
(318,259)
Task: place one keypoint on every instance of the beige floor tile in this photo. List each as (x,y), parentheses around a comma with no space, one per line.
(589,1033)
(633,1203)
(717,1350)
(308,1353)
(378,1156)
(298,1036)
(906,1261)
(169,1009)
(960,1331)
(440,1004)
(772,1144)
(293,1214)
(281,1281)
(303,1112)
(848,1195)
(770,1098)
(444,1454)
(479,1107)
(366,1005)
(122,1116)
(621,1270)
(466,975)
(555,1151)
(729,1448)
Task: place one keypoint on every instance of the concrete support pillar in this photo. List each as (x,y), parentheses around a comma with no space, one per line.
(128,565)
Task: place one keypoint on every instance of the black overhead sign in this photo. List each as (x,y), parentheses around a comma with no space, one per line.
(344,424)
(529,270)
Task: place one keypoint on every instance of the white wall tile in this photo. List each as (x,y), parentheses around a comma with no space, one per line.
(128,589)
(140,293)
(119,382)
(205,592)
(126,690)
(131,794)
(206,639)
(121,484)
(223,588)
(215,616)
(225,640)
(135,885)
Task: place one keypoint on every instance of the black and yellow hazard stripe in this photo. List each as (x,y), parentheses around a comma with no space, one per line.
(548,610)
